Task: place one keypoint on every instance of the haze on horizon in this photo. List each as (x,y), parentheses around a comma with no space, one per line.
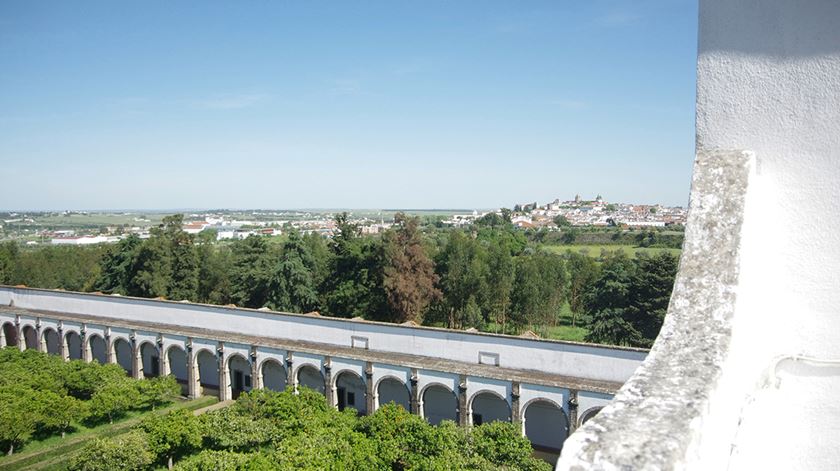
(358,105)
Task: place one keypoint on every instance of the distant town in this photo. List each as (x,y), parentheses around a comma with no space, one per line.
(95,227)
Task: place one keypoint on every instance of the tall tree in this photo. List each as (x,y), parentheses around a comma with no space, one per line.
(500,277)
(185,263)
(354,285)
(409,276)
(651,286)
(293,286)
(608,301)
(462,269)
(582,271)
(116,265)
(251,273)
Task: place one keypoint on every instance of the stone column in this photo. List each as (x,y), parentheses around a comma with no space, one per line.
(256,374)
(329,390)
(193,385)
(136,358)
(414,399)
(42,340)
(464,416)
(370,391)
(163,363)
(110,356)
(515,412)
(62,344)
(86,353)
(291,378)
(2,337)
(573,410)
(21,340)
(224,387)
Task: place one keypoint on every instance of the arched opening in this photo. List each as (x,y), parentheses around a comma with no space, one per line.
(487,407)
(208,373)
(30,337)
(98,349)
(52,341)
(439,403)
(350,392)
(546,426)
(10,334)
(176,359)
(74,345)
(122,353)
(311,377)
(592,412)
(273,375)
(150,359)
(393,390)
(239,370)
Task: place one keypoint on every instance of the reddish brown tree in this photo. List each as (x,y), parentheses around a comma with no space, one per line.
(410,279)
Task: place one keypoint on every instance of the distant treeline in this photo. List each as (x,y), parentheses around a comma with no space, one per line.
(488,274)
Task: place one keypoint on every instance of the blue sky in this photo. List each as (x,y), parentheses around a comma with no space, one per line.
(359,104)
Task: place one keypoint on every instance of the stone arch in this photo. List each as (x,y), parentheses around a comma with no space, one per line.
(311,377)
(488,406)
(98,348)
(545,424)
(350,391)
(123,353)
(177,365)
(273,374)
(149,359)
(51,340)
(239,374)
(392,389)
(30,337)
(439,403)
(10,335)
(74,345)
(588,414)
(208,371)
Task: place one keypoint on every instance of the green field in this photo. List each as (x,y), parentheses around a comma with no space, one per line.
(595,250)
(54,452)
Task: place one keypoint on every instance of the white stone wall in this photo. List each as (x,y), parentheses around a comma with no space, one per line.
(768,76)
(569,359)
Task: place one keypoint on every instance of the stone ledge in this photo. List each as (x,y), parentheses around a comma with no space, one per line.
(651,423)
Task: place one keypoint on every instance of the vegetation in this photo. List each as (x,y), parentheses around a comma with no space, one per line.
(490,276)
(42,395)
(266,430)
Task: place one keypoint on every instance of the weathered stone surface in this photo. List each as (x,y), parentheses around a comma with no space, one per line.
(650,424)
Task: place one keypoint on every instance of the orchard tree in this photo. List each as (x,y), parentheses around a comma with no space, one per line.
(172,435)
(60,411)
(114,400)
(127,452)
(157,391)
(20,411)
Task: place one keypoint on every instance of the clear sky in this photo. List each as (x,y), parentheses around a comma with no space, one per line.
(353,104)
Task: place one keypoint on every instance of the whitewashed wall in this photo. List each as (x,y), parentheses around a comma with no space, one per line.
(768,76)
(569,359)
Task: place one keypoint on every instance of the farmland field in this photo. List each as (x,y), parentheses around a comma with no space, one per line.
(595,250)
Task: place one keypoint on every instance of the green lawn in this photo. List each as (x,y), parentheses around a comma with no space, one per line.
(54,452)
(595,250)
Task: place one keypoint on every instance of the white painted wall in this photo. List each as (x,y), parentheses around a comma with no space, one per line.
(576,360)
(768,78)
